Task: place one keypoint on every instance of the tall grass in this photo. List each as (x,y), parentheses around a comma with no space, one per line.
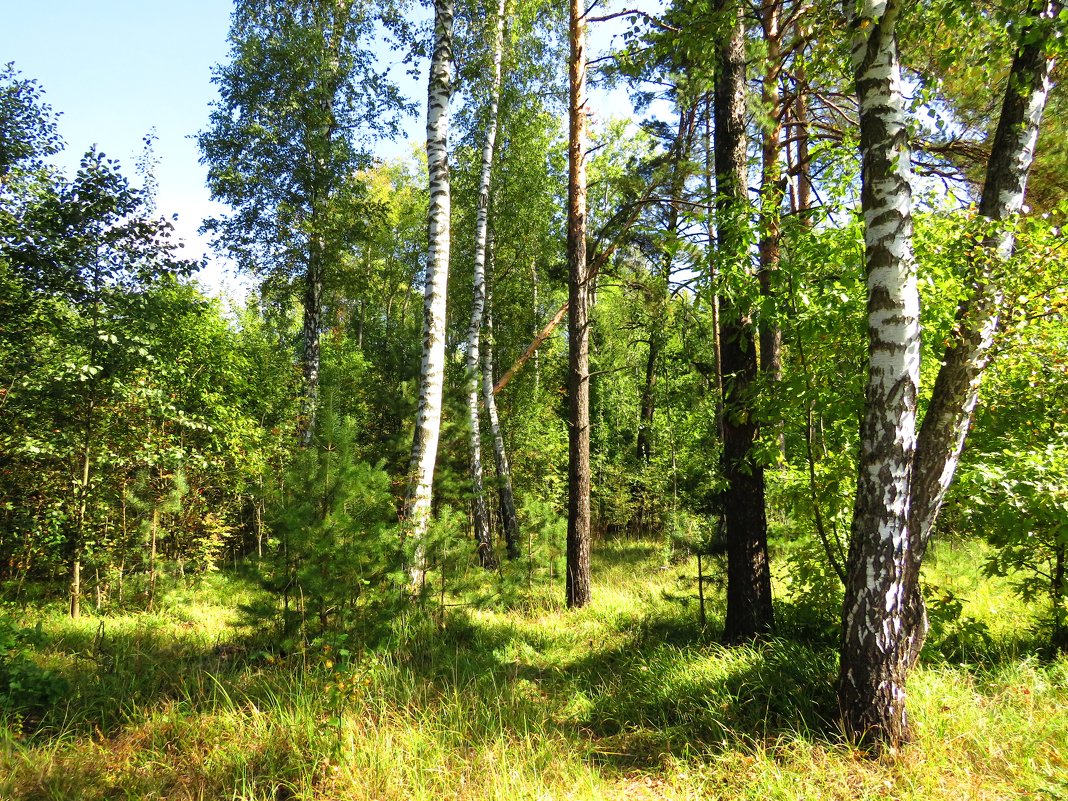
(626,699)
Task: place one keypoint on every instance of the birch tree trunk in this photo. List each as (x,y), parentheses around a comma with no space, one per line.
(480,516)
(310,357)
(509,521)
(956,390)
(432,369)
(578,472)
(749,610)
(871,683)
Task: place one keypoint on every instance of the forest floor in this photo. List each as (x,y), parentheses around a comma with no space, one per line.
(627,699)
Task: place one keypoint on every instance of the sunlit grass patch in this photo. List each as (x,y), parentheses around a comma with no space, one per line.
(627,699)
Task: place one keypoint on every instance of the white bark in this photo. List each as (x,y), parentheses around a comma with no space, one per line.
(432,370)
(480,518)
(871,683)
(504,471)
(956,391)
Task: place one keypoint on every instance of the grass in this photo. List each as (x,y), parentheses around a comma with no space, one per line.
(626,699)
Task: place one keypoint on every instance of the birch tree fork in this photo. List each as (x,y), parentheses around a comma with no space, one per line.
(871,683)
(432,369)
(480,518)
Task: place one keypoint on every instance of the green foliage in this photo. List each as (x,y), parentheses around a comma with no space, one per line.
(26,688)
(335,550)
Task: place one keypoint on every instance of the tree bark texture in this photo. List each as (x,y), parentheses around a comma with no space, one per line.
(432,369)
(956,390)
(578,471)
(871,683)
(749,610)
(480,517)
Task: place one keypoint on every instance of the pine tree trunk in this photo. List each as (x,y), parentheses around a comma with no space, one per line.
(956,389)
(509,521)
(804,181)
(871,684)
(432,369)
(578,504)
(749,611)
(480,517)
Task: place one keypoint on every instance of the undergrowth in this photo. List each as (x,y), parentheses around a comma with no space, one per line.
(627,699)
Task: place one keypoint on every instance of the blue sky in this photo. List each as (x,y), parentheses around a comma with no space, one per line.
(117,69)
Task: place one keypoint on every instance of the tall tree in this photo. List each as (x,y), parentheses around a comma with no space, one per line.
(902,480)
(578,321)
(480,518)
(432,369)
(749,611)
(281,147)
(871,681)
(956,389)
(506,496)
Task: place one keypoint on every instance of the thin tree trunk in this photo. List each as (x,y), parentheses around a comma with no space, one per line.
(313,310)
(771,194)
(480,515)
(509,521)
(749,611)
(153,535)
(871,683)
(647,402)
(956,389)
(432,369)
(578,511)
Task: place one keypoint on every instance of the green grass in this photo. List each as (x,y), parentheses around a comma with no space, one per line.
(627,699)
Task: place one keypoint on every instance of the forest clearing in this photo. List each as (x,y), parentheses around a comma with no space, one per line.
(628,699)
(684,417)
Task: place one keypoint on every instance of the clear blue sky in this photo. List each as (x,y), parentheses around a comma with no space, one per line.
(115,70)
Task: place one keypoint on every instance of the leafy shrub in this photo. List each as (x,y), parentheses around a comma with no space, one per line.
(26,689)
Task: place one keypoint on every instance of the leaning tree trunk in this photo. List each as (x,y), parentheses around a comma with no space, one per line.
(480,517)
(509,521)
(432,370)
(578,469)
(749,610)
(871,683)
(956,389)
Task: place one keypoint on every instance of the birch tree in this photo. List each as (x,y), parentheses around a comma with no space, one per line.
(903,477)
(281,147)
(432,368)
(956,389)
(871,692)
(480,518)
